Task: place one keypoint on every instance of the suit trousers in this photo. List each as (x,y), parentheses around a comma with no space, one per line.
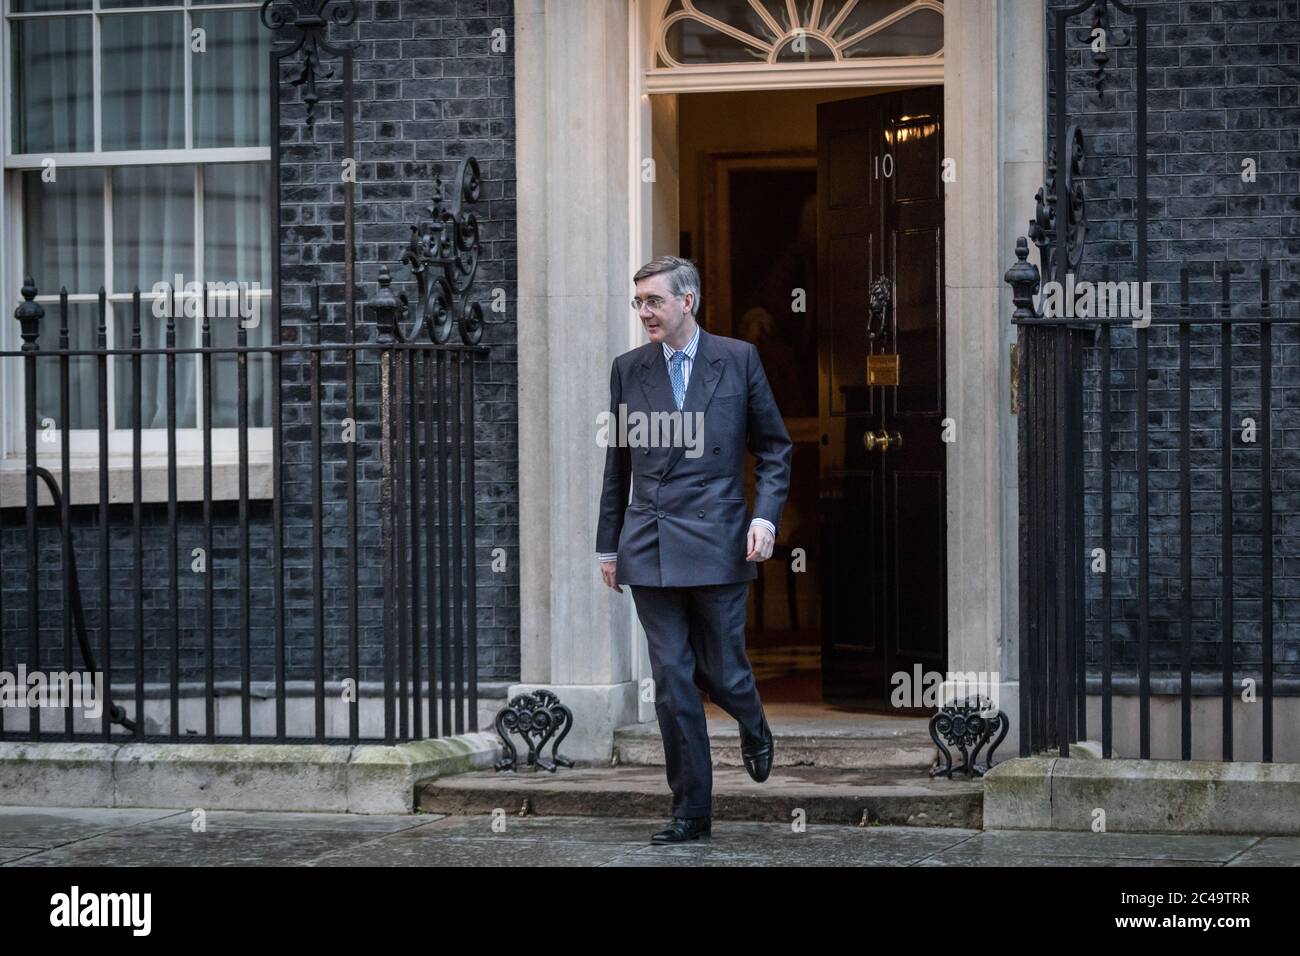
(696,637)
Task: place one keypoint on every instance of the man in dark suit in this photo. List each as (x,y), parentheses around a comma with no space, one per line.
(685,543)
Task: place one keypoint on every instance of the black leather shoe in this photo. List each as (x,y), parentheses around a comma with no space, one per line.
(757,753)
(683,829)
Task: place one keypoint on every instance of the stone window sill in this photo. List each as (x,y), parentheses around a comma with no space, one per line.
(84,470)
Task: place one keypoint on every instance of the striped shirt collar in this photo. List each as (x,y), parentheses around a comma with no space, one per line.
(690,349)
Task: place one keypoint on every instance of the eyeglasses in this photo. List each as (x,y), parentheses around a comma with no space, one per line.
(655,302)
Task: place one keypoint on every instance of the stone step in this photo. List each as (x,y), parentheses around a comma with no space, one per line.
(861,743)
(825,795)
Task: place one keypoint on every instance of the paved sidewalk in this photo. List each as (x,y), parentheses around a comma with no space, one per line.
(38,836)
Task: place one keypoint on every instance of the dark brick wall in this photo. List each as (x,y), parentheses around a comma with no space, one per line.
(223,561)
(1224,85)
(429,91)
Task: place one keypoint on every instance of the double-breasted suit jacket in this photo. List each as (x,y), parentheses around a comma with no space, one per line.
(686,521)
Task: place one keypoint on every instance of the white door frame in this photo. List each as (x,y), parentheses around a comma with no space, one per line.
(586,223)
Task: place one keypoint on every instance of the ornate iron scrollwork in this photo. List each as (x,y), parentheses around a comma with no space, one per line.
(1059,226)
(1111,36)
(536,717)
(1060,223)
(879,297)
(313,27)
(968,726)
(443,255)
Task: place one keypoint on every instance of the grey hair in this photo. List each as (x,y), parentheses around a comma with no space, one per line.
(682,275)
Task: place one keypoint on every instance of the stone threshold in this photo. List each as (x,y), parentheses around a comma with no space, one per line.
(857,744)
(366,778)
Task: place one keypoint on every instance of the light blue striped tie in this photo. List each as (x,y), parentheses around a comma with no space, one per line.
(677,375)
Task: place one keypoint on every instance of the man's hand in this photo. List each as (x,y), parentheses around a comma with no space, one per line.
(759,543)
(607,569)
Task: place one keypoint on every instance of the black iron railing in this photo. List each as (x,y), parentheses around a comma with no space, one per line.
(1058,557)
(424,488)
(1067,552)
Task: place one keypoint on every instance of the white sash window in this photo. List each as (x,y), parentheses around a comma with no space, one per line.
(135,151)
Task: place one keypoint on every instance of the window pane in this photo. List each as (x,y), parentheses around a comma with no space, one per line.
(153,226)
(63,230)
(42,6)
(53,78)
(805,10)
(237,223)
(776,9)
(231,98)
(153,368)
(83,386)
(867,13)
(143,62)
(225,373)
(691,41)
(918,34)
(742,15)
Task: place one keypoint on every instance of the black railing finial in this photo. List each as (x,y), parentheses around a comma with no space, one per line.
(386,309)
(1024,279)
(29,315)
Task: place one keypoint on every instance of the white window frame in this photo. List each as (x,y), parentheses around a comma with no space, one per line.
(84,443)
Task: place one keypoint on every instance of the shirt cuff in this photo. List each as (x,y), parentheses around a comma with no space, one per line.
(766,524)
(607,557)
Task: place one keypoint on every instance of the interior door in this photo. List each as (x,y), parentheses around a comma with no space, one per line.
(882,492)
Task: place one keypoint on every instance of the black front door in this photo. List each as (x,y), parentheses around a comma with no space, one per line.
(880,228)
